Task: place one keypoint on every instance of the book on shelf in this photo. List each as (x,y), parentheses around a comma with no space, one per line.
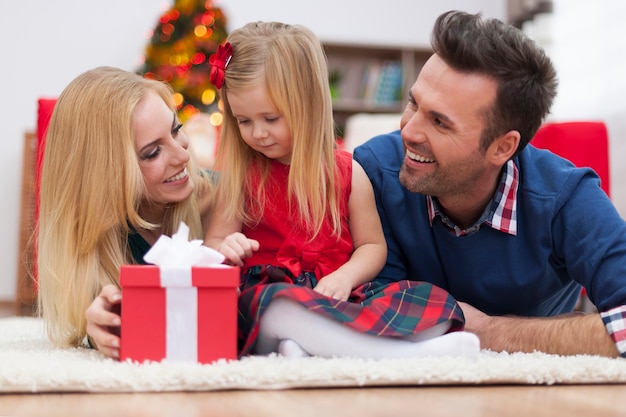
(381,81)
(390,83)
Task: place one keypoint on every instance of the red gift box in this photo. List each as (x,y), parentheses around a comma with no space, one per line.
(179,313)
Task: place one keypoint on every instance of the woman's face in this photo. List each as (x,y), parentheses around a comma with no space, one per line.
(161,149)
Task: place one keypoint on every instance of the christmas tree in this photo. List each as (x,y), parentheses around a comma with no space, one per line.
(178,53)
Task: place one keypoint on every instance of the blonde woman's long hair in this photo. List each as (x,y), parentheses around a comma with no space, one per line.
(291,62)
(91,190)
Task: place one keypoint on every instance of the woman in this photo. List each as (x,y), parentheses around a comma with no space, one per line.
(116,175)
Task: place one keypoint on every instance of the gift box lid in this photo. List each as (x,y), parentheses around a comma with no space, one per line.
(216,276)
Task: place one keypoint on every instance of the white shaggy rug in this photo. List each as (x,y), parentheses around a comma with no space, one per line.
(29,363)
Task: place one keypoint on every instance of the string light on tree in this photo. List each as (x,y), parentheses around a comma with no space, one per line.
(180,45)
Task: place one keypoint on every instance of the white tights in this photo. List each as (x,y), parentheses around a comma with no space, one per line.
(295,331)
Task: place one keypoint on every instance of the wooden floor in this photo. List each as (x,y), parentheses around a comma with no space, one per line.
(466,401)
(501,401)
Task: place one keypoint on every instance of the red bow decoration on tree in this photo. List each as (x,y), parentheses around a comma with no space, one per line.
(219,61)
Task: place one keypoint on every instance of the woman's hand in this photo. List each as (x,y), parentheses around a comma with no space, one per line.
(103,321)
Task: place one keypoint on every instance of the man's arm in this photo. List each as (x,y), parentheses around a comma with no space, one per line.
(567,334)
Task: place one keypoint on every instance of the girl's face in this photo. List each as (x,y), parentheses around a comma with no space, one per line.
(261,125)
(161,148)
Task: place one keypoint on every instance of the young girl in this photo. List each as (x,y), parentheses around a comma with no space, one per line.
(299,215)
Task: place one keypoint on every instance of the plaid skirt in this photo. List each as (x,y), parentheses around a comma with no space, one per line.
(398,309)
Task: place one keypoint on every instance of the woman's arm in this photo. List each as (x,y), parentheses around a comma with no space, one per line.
(370,249)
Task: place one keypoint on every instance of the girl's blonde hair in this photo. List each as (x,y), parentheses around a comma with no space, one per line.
(291,62)
(91,190)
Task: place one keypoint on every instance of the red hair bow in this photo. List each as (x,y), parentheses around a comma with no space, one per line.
(219,61)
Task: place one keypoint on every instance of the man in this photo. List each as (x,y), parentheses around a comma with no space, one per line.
(512,232)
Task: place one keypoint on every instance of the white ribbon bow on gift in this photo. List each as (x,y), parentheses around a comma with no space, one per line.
(175,256)
(178,250)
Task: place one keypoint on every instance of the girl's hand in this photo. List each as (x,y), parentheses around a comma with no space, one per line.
(236,247)
(333,286)
(103,321)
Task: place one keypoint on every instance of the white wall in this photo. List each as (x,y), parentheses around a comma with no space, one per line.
(587,41)
(45,44)
(396,22)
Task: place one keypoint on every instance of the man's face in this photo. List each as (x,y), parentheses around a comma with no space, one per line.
(441,130)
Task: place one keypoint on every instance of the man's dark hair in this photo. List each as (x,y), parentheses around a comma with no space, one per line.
(525,75)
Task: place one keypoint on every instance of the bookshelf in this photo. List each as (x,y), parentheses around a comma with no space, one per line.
(371,78)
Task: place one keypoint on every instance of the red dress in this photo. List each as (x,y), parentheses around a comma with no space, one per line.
(289,264)
(285,243)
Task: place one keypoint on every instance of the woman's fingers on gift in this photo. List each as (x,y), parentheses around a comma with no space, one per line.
(110,346)
(103,321)
(101,338)
(112,294)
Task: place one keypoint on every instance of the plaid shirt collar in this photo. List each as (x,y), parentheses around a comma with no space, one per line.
(500,214)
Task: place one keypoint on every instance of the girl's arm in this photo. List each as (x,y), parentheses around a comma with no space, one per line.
(225,236)
(370,249)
